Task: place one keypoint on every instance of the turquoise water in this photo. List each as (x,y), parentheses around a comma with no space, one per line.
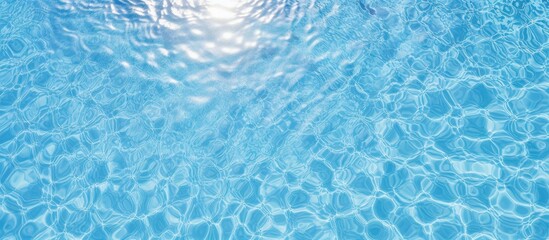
(274,119)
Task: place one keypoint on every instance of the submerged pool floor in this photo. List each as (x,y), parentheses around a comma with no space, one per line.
(274,119)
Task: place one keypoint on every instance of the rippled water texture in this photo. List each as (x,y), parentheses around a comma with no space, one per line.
(274,119)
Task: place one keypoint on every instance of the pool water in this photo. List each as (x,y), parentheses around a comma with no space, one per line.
(274,119)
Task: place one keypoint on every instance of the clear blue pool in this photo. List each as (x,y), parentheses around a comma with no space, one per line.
(274,119)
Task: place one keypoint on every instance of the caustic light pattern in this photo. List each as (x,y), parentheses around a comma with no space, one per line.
(274,119)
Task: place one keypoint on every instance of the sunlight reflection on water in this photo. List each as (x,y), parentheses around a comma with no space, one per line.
(217,29)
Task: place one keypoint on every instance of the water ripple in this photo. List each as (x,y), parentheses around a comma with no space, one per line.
(273,119)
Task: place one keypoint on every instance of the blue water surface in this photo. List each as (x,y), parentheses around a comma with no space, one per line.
(274,119)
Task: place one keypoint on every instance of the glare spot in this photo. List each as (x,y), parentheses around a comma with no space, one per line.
(199,99)
(197,32)
(227,35)
(125,64)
